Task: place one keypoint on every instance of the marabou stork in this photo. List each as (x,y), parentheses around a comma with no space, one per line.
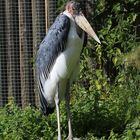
(57,61)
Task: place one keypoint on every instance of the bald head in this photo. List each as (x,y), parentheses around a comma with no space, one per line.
(73,7)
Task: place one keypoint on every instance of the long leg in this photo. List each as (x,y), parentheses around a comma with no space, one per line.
(67,96)
(58,113)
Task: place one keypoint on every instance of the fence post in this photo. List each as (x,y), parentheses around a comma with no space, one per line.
(39,31)
(12,45)
(26,52)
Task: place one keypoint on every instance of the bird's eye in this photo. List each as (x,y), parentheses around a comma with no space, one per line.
(73,9)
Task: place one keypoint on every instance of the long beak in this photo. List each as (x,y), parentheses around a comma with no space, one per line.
(82,22)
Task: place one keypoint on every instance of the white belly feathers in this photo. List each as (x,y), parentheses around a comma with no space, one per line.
(67,60)
(65,65)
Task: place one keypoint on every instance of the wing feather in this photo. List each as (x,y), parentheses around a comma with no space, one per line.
(52,45)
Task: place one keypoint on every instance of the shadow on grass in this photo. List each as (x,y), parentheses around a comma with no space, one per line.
(98,123)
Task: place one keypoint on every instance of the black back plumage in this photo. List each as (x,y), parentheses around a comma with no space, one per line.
(53,44)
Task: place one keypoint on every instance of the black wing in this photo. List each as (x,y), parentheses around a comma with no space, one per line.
(53,44)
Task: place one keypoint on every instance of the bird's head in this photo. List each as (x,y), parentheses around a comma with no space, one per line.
(74,9)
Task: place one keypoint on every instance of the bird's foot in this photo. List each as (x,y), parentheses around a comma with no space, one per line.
(76,139)
(70,138)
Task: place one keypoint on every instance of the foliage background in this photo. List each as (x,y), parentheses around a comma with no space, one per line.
(106,98)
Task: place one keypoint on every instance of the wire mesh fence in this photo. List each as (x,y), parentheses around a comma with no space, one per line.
(23,24)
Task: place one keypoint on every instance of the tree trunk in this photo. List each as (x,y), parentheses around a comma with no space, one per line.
(26,52)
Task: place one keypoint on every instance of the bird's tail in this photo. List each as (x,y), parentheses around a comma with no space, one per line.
(45,109)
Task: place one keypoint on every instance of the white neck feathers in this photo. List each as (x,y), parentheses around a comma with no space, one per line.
(68,14)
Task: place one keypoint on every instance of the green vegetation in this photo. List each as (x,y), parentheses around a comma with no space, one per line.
(106,98)
(97,115)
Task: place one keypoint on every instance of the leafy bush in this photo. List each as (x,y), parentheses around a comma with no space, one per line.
(27,123)
(96,116)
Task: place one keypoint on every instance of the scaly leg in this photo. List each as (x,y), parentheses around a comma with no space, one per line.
(58,114)
(67,96)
